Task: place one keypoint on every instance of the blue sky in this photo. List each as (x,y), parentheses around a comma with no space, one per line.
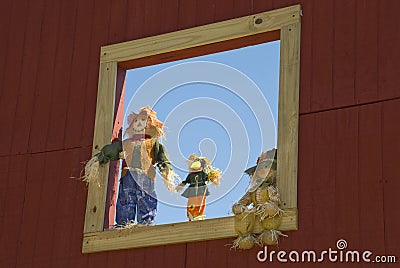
(222,106)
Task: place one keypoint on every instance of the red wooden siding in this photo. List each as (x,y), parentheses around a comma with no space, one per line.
(79,65)
(390,174)
(367,53)
(12,63)
(349,142)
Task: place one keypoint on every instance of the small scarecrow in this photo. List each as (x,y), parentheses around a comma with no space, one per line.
(141,152)
(201,171)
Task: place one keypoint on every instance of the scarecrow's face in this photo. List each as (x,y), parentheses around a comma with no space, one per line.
(139,124)
(264,170)
(195,166)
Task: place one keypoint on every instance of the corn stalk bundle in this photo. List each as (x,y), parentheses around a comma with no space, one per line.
(214,176)
(244,242)
(270,237)
(92,171)
(244,223)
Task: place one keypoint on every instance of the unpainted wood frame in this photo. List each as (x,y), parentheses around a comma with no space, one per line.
(287,20)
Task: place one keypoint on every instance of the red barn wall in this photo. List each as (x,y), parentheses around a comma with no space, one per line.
(348,135)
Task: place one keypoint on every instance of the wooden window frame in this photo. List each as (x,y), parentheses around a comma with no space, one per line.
(257,28)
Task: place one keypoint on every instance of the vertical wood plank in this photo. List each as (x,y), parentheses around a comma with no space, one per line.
(30,216)
(388,49)
(5,31)
(80,262)
(117,259)
(346,175)
(136,256)
(344,53)
(60,90)
(324,184)
(4,166)
(79,75)
(306,54)
(103,129)
(324,163)
(261,6)
(63,222)
(306,179)
(370,177)
(4,170)
(61,243)
(97,260)
(322,42)
(112,188)
(217,253)
(306,169)
(47,213)
(170,16)
(240,8)
(282,3)
(390,174)
(75,254)
(117,27)
(196,254)
(99,37)
(236,258)
(15,182)
(135,20)
(29,70)
(149,256)
(45,78)
(224,10)
(119,102)
(167,10)
(14,203)
(204,12)
(288,114)
(187,18)
(43,262)
(175,255)
(152,13)
(13,61)
(366,75)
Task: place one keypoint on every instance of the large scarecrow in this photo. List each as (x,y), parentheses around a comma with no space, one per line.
(142,153)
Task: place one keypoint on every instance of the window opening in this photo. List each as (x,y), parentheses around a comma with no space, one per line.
(223,106)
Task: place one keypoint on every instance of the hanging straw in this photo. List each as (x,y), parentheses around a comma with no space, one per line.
(92,171)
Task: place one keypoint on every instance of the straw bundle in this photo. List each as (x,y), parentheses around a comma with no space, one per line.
(169,177)
(274,194)
(214,176)
(261,195)
(268,210)
(270,237)
(244,242)
(244,223)
(238,209)
(246,199)
(272,223)
(92,171)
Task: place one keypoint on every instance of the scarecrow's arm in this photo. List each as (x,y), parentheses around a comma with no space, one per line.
(161,155)
(241,205)
(110,152)
(164,166)
(182,184)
